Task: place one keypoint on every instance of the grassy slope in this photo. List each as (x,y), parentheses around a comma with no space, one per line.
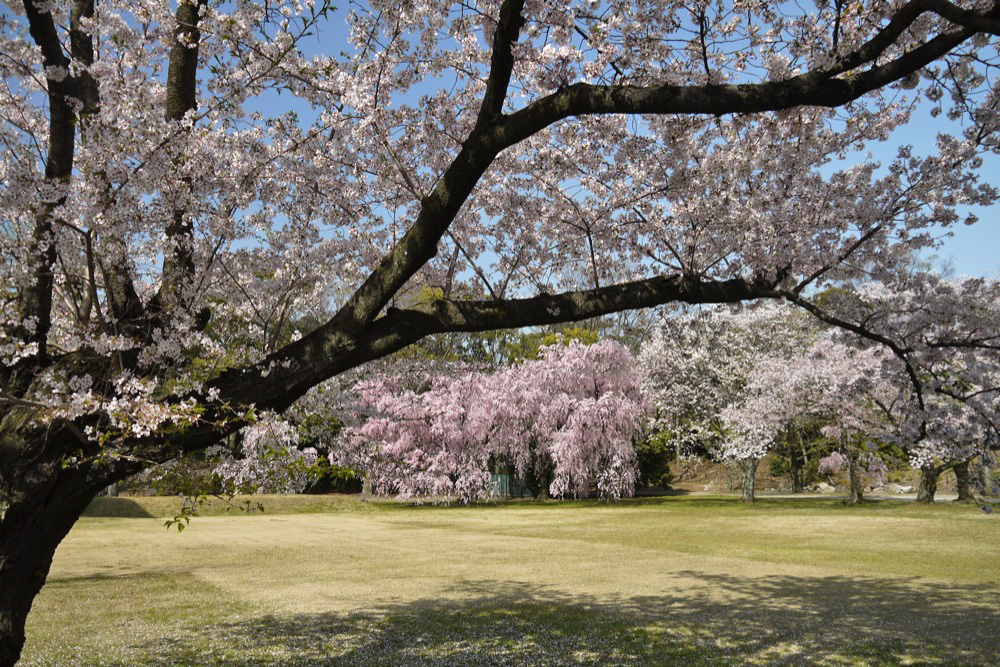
(664,581)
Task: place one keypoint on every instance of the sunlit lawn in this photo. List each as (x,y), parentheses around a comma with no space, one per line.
(680,580)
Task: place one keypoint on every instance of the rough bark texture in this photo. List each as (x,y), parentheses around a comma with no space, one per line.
(928,484)
(854,476)
(964,482)
(749,469)
(40,500)
(29,535)
(182,97)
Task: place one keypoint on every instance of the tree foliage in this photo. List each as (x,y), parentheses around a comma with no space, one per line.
(165,217)
(566,420)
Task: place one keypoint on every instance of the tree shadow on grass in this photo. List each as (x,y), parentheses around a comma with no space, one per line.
(116,507)
(725,620)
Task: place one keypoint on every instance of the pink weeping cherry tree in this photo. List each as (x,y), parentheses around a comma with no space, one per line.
(567,419)
(183,181)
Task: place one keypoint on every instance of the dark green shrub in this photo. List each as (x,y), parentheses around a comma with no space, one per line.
(655,452)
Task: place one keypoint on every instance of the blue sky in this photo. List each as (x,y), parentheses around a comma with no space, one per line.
(969,250)
(966,250)
(972,249)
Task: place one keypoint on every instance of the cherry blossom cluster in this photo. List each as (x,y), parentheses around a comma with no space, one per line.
(704,373)
(268,460)
(872,469)
(945,365)
(335,180)
(567,418)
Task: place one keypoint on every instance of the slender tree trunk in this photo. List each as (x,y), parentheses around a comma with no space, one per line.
(749,468)
(928,484)
(796,475)
(963,479)
(543,485)
(366,487)
(984,474)
(795,464)
(730,478)
(853,474)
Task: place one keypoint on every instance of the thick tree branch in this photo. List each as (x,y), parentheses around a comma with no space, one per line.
(35,303)
(182,72)
(821,88)
(182,89)
(283,377)
(82,50)
(900,352)
(988,22)
(447,315)
(501,61)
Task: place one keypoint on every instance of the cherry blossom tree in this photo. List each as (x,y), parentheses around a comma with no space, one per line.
(414,443)
(567,419)
(941,383)
(863,470)
(715,379)
(540,162)
(843,386)
(572,420)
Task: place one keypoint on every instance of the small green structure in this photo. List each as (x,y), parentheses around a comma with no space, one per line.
(510,486)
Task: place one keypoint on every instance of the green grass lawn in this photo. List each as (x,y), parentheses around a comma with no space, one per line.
(679,580)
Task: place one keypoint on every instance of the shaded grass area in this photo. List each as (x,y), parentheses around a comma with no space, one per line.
(676,581)
(168,506)
(803,621)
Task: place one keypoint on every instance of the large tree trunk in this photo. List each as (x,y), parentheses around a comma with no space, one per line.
(40,500)
(928,484)
(543,485)
(749,469)
(34,517)
(963,480)
(796,470)
(984,474)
